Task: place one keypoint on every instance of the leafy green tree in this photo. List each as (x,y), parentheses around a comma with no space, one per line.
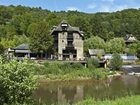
(94,43)
(132,48)
(105,33)
(96,25)
(116,25)
(16,82)
(17,40)
(13,42)
(116,62)
(108,47)
(116,45)
(15,21)
(1,49)
(5,14)
(52,19)
(83,24)
(138,50)
(108,35)
(40,38)
(10,31)
(7,43)
(2,31)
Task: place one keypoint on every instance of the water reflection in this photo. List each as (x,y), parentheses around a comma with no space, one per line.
(73,91)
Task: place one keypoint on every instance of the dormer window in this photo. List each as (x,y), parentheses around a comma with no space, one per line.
(64,26)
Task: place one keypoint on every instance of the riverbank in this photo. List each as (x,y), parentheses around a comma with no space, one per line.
(56,71)
(129,100)
(80,74)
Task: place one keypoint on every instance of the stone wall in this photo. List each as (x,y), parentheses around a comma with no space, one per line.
(78,44)
(62,42)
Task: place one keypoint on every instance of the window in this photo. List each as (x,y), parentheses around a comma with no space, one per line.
(64,26)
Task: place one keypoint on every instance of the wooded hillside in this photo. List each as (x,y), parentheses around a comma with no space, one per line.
(16,20)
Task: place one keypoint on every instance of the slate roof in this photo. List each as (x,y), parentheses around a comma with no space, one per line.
(69,28)
(22,47)
(95,52)
(130,38)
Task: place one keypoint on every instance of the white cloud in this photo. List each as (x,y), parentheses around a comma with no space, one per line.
(92,6)
(104,8)
(112,8)
(121,7)
(72,9)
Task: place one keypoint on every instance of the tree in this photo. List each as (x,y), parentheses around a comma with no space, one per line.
(1,49)
(96,25)
(7,43)
(83,24)
(116,45)
(16,82)
(15,21)
(138,49)
(107,48)
(2,31)
(107,35)
(94,42)
(10,31)
(52,19)
(116,62)
(132,48)
(13,42)
(17,40)
(40,38)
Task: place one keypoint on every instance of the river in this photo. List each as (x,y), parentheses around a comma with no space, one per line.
(131,68)
(74,91)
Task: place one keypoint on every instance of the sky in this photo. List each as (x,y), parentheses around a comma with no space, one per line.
(88,6)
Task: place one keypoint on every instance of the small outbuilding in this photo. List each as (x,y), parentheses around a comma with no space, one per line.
(129,39)
(19,52)
(96,53)
(99,55)
(22,51)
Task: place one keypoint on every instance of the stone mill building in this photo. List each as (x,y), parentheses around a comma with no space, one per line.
(68,42)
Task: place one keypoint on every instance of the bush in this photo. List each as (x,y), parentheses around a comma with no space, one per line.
(53,68)
(46,63)
(116,62)
(16,82)
(1,49)
(77,66)
(92,63)
(65,66)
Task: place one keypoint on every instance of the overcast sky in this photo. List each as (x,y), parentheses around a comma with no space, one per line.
(89,6)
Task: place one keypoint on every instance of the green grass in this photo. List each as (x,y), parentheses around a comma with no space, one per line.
(79,74)
(138,62)
(129,100)
(132,100)
(67,71)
